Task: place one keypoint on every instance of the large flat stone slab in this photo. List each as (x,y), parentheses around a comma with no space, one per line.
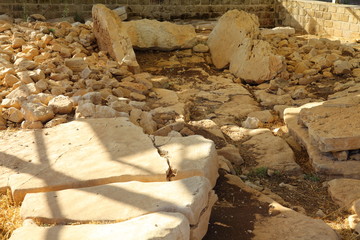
(335,125)
(161,225)
(78,154)
(119,201)
(323,163)
(272,152)
(190,156)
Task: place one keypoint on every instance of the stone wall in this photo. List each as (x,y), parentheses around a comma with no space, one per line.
(158,9)
(321,18)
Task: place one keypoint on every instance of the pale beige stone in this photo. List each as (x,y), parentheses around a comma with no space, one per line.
(145,34)
(61,104)
(322,163)
(198,231)
(189,156)
(36,112)
(333,126)
(106,156)
(255,62)
(119,201)
(161,225)
(13,114)
(209,129)
(111,36)
(344,191)
(18,42)
(31,125)
(10,80)
(76,64)
(272,152)
(23,91)
(230,31)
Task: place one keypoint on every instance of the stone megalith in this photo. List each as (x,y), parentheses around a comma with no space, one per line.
(112,37)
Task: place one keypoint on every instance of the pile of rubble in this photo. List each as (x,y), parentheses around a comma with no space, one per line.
(162,172)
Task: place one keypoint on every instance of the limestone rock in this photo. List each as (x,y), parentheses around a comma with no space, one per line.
(255,62)
(13,114)
(232,42)
(76,64)
(230,31)
(36,112)
(112,37)
(344,191)
(322,163)
(61,104)
(106,157)
(152,34)
(147,122)
(273,152)
(333,126)
(190,156)
(31,125)
(161,225)
(23,91)
(231,153)
(201,48)
(342,67)
(209,129)
(120,201)
(277,30)
(10,80)
(264,116)
(87,110)
(251,123)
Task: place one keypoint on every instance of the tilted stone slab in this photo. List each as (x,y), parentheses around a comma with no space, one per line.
(161,225)
(190,156)
(119,201)
(323,163)
(112,37)
(334,125)
(78,154)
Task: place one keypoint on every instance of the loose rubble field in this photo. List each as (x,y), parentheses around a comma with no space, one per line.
(254,131)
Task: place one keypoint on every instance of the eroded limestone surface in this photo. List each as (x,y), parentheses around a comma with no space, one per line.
(161,225)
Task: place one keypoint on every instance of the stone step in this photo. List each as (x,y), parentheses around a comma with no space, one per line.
(92,152)
(322,163)
(119,201)
(190,156)
(160,225)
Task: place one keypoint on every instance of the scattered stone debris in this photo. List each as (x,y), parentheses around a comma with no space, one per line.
(96,126)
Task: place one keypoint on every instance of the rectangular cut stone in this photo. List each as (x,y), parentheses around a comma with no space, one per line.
(78,154)
(119,201)
(335,125)
(190,156)
(323,163)
(161,225)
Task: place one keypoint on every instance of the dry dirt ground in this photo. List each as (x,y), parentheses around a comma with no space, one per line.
(234,213)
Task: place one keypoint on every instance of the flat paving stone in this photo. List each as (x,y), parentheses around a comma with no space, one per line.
(272,152)
(161,225)
(78,154)
(119,201)
(323,163)
(190,156)
(334,125)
